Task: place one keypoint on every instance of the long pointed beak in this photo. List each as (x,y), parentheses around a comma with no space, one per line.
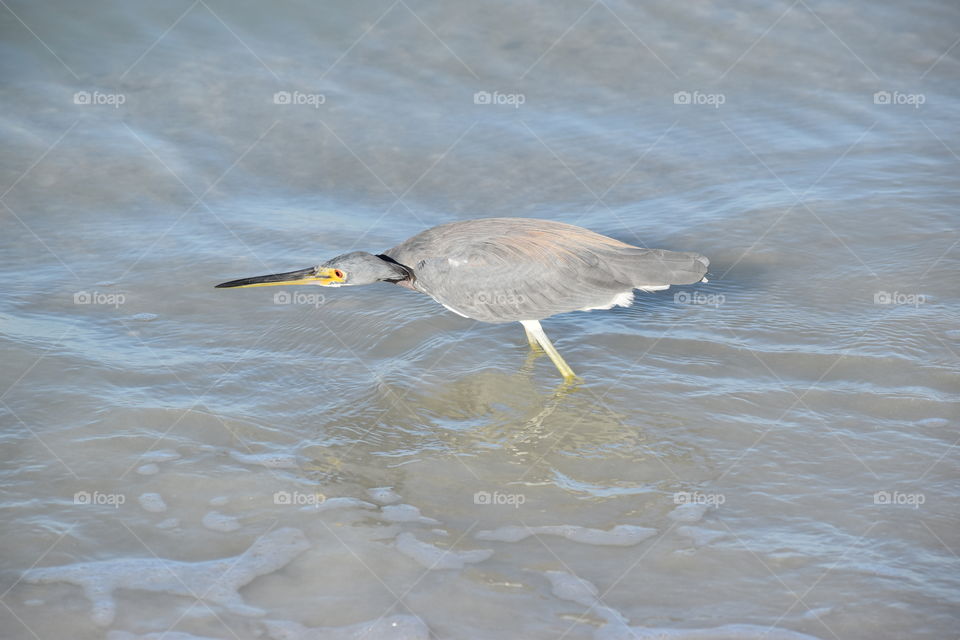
(313,275)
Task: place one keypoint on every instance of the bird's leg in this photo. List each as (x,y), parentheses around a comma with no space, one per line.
(532,339)
(533,328)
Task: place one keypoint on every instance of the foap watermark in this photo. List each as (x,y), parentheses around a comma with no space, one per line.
(508,299)
(299,297)
(98,98)
(99,499)
(695,497)
(298,498)
(700,298)
(498,498)
(98,297)
(496,98)
(699,98)
(897,98)
(897,498)
(299,98)
(898,298)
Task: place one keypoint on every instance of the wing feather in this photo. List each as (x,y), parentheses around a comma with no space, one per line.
(508,269)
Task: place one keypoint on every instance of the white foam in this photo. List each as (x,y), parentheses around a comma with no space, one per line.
(214,581)
(216,521)
(567,586)
(169,523)
(816,614)
(158,635)
(433,557)
(269,460)
(398,627)
(339,503)
(383,495)
(149,469)
(699,535)
(622,535)
(404,513)
(218,501)
(726,632)
(689,512)
(152,502)
(160,455)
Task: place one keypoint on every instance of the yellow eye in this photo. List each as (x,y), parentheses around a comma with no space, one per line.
(338,273)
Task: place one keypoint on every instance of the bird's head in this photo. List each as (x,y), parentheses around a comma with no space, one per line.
(356,267)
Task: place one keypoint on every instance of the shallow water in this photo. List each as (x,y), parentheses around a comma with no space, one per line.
(775,448)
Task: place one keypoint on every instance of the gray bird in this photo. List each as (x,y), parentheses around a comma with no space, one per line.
(508,270)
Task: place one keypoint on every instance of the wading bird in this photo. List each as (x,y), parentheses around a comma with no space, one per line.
(507,270)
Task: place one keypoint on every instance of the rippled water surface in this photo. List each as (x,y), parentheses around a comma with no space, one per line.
(768,455)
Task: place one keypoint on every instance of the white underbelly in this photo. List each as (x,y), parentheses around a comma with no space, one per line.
(449,308)
(622,299)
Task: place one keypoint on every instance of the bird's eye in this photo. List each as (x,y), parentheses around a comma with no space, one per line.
(338,273)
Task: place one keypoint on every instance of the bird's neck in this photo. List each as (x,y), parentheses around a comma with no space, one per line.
(399,274)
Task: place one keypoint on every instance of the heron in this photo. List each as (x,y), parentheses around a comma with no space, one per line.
(508,270)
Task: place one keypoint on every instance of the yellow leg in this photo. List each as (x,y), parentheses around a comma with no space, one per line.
(534,329)
(532,339)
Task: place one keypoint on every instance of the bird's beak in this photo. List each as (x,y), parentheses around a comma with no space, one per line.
(313,275)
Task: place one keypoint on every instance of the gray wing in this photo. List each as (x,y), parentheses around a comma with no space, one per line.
(508,269)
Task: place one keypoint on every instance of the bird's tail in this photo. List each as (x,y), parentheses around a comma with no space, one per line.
(658,268)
